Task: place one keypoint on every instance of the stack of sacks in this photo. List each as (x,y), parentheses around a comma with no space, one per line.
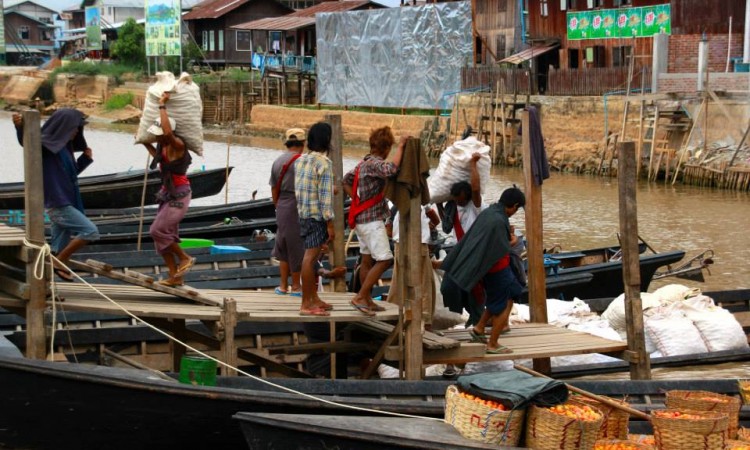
(184,106)
(455,166)
(679,320)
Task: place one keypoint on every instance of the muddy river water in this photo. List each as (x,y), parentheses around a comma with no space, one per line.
(579,211)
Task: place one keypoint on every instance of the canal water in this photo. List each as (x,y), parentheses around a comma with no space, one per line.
(580,211)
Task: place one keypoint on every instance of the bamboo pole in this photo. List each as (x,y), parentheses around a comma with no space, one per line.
(640,364)
(226,171)
(143,202)
(641,121)
(36,336)
(687,141)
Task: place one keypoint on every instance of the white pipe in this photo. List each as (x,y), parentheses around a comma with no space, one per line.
(729,44)
(746,44)
(702,62)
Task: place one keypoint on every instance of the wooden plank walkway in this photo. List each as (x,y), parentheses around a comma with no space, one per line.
(11,236)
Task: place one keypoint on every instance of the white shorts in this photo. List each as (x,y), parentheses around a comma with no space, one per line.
(373,240)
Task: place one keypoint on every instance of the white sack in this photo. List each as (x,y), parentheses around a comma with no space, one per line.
(675,293)
(675,335)
(184,106)
(719,329)
(455,166)
(615,312)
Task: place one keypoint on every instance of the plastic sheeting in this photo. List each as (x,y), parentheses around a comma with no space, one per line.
(396,57)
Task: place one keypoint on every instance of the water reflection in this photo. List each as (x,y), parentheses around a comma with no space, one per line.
(579,211)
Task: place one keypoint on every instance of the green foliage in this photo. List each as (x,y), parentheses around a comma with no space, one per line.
(94,68)
(130,45)
(232,74)
(119,101)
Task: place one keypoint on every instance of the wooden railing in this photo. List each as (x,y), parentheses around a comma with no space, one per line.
(590,81)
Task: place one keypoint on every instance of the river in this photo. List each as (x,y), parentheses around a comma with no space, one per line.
(579,211)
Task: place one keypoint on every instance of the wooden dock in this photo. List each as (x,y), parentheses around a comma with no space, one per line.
(225,308)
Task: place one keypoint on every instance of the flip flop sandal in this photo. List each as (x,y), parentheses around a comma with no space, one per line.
(64,275)
(313,312)
(500,350)
(185,268)
(279,291)
(476,337)
(171,283)
(325,306)
(362,308)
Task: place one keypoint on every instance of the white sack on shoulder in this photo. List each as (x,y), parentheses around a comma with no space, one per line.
(184,106)
(455,166)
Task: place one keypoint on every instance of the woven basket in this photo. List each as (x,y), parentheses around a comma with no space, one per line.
(481,423)
(546,430)
(697,401)
(708,432)
(615,423)
(737,445)
(645,439)
(743,434)
(620,444)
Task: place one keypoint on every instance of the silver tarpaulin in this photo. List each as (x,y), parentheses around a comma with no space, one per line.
(396,57)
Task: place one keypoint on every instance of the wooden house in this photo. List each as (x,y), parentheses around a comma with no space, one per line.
(212,22)
(27,35)
(294,33)
(499,27)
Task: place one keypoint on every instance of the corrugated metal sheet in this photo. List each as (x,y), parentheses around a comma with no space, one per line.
(285,23)
(304,17)
(213,9)
(527,54)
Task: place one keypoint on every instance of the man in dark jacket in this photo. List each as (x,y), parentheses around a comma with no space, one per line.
(484,254)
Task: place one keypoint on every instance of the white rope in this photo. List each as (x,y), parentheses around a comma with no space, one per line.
(45,251)
(187,346)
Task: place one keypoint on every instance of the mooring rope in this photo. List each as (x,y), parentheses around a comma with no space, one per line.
(46,248)
(45,251)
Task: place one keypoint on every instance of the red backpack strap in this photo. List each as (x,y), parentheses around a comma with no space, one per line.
(457,226)
(284,170)
(358,207)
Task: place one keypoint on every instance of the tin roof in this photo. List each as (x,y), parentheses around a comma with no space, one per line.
(213,9)
(528,54)
(304,17)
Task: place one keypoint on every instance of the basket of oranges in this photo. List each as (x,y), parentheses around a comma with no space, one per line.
(481,419)
(744,386)
(689,430)
(707,401)
(733,444)
(645,439)
(620,444)
(615,422)
(572,425)
(743,434)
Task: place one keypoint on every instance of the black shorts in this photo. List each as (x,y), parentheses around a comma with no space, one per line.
(314,232)
(500,287)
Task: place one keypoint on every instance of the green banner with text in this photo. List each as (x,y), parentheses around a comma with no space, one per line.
(620,23)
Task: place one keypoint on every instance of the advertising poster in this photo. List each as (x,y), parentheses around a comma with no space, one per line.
(163,34)
(620,23)
(93,28)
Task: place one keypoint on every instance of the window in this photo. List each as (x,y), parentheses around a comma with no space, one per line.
(620,56)
(543,8)
(502,5)
(567,4)
(573,55)
(593,3)
(622,3)
(204,41)
(500,45)
(23,32)
(244,41)
(595,56)
(221,40)
(211,41)
(45,34)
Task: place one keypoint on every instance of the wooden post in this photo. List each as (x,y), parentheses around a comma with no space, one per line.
(179,332)
(228,348)
(36,337)
(640,364)
(412,273)
(337,255)
(534,238)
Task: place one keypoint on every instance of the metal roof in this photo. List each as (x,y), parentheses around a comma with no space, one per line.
(304,17)
(528,54)
(213,9)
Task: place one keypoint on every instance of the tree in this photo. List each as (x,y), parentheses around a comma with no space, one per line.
(130,45)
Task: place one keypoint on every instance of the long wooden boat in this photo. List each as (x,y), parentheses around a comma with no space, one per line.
(128,192)
(270,431)
(127,408)
(92,180)
(251,209)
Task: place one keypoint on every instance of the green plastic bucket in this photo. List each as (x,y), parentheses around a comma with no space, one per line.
(195,243)
(197,370)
